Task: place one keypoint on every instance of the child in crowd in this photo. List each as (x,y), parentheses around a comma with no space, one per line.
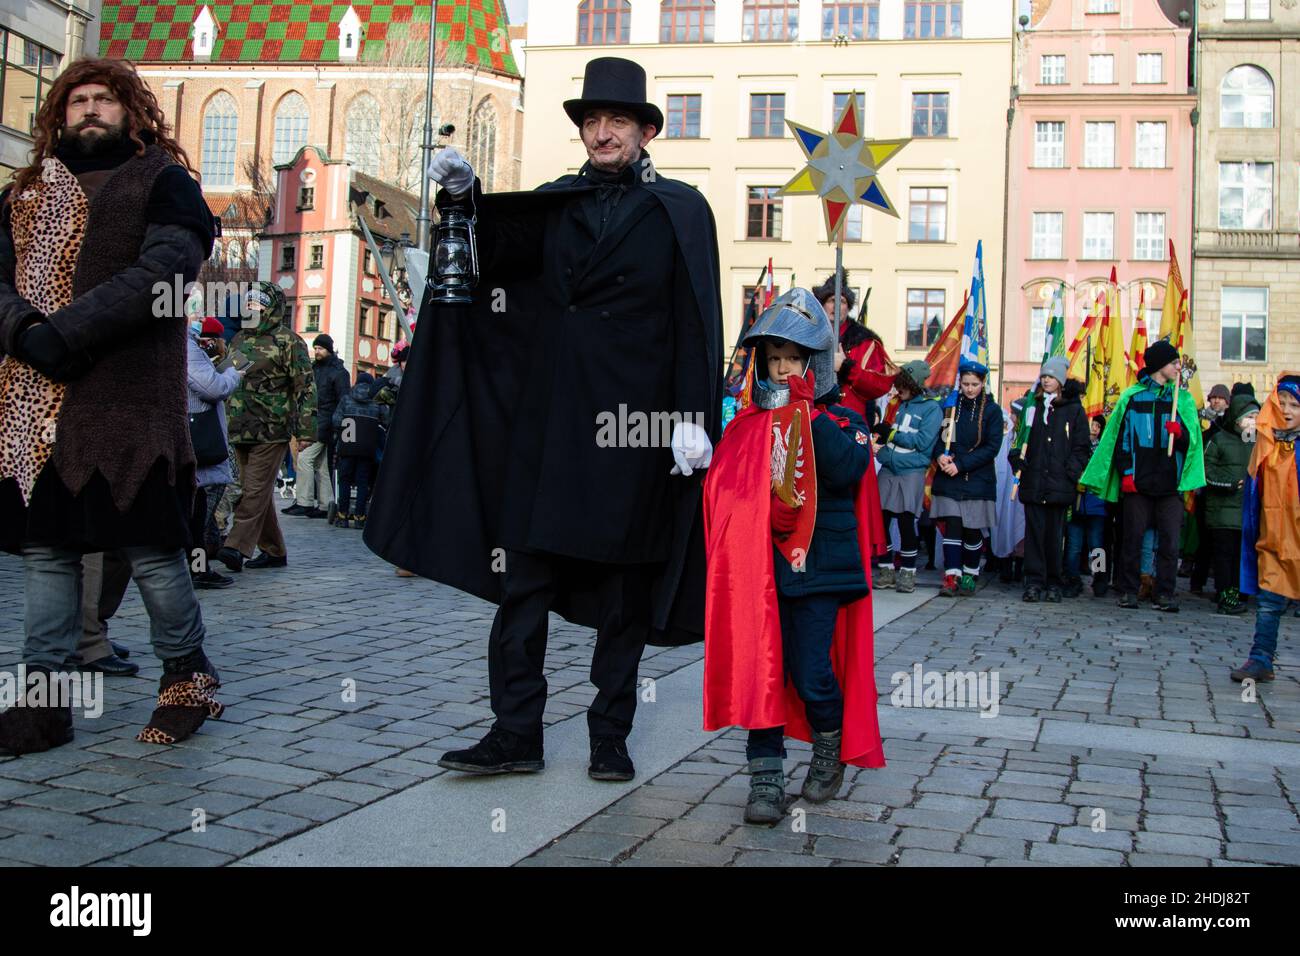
(965,488)
(360,422)
(1227,457)
(788,634)
(1085,534)
(903,450)
(1270,523)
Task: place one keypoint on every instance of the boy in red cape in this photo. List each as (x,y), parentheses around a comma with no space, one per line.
(788,647)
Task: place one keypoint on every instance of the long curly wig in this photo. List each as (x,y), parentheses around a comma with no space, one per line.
(142,113)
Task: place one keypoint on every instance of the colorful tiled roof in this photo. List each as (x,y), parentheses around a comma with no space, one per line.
(469,32)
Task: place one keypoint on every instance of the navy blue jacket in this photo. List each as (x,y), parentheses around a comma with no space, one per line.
(834,564)
(975,447)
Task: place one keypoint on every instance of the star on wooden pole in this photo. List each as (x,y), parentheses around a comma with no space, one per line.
(842,168)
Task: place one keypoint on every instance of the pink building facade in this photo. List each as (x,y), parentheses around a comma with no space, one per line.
(315,251)
(1100,167)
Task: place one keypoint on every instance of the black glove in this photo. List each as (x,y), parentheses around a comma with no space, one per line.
(43,348)
(882,431)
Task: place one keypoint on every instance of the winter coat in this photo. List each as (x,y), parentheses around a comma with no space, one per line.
(976,441)
(1226,460)
(208,387)
(332,383)
(1058,449)
(361,402)
(276,401)
(834,564)
(916,428)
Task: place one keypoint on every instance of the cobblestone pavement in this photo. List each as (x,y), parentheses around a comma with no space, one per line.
(1129,713)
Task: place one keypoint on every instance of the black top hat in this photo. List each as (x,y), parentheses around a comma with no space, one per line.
(612,82)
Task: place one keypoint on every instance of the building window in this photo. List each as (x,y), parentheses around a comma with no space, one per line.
(1098,235)
(1049,145)
(290,134)
(234,255)
(1047,232)
(856,20)
(286,258)
(1038,318)
(1246,10)
(1101,68)
(313,318)
(929,114)
(747,296)
(1151,68)
(1245,195)
(1246,99)
(1149,235)
(483,142)
(1051,69)
(764,207)
(1099,145)
(251,251)
(1243,325)
(853,223)
(1150,146)
(361,135)
(26,72)
(306,198)
(220,134)
(603,22)
(925,311)
(766,115)
(683,116)
(927,219)
(317,260)
(770,20)
(925,21)
(367,262)
(686,21)
(363,320)
(1103,6)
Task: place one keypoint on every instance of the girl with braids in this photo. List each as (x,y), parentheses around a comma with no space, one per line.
(965,489)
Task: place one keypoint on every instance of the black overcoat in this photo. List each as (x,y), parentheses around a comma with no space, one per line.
(1058,450)
(501,435)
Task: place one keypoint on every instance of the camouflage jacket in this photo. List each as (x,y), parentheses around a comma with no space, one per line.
(276,401)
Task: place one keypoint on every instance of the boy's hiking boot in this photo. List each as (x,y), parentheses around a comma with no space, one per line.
(906,581)
(766,790)
(825,773)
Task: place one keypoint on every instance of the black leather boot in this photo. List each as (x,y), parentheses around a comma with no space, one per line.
(499,752)
(766,790)
(826,772)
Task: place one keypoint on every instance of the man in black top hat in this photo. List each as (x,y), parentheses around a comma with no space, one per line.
(515,469)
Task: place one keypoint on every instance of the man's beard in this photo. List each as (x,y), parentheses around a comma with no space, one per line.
(84,143)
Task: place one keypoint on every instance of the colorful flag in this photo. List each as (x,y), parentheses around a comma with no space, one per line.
(1138,343)
(1077,354)
(1055,343)
(769,292)
(975,330)
(1108,372)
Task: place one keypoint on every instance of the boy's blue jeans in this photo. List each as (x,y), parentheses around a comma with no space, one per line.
(1148,565)
(1083,536)
(807,630)
(1269,608)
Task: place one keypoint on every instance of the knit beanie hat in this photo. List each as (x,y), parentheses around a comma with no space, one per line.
(1057,367)
(1158,355)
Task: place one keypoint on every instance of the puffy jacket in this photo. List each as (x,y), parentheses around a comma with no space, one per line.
(361,402)
(332,383)
(1141,449)
(975,444)
(834,564)
(276,401)
(916,428)
(1058,449)
(1226,458)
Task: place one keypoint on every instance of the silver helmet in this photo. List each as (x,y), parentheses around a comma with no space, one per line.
(797,317)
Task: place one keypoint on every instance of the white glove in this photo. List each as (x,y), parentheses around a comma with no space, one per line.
(691,448)
(449,170)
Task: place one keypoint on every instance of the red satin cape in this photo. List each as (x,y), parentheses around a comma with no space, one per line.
(744,672)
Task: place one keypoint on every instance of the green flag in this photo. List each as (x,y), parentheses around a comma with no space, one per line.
(1055,343)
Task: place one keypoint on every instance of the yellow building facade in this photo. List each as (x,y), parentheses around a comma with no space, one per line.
(725,100)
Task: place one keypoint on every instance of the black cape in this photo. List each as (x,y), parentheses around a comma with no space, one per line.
(437,503)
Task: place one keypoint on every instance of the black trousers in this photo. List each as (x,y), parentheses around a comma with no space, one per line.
(1165,512)
(1226,545)
(517,645)
(1044,534)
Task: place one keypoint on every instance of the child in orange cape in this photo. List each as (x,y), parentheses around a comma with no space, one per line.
(788,630)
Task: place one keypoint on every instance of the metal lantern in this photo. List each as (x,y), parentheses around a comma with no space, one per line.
(454,270)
